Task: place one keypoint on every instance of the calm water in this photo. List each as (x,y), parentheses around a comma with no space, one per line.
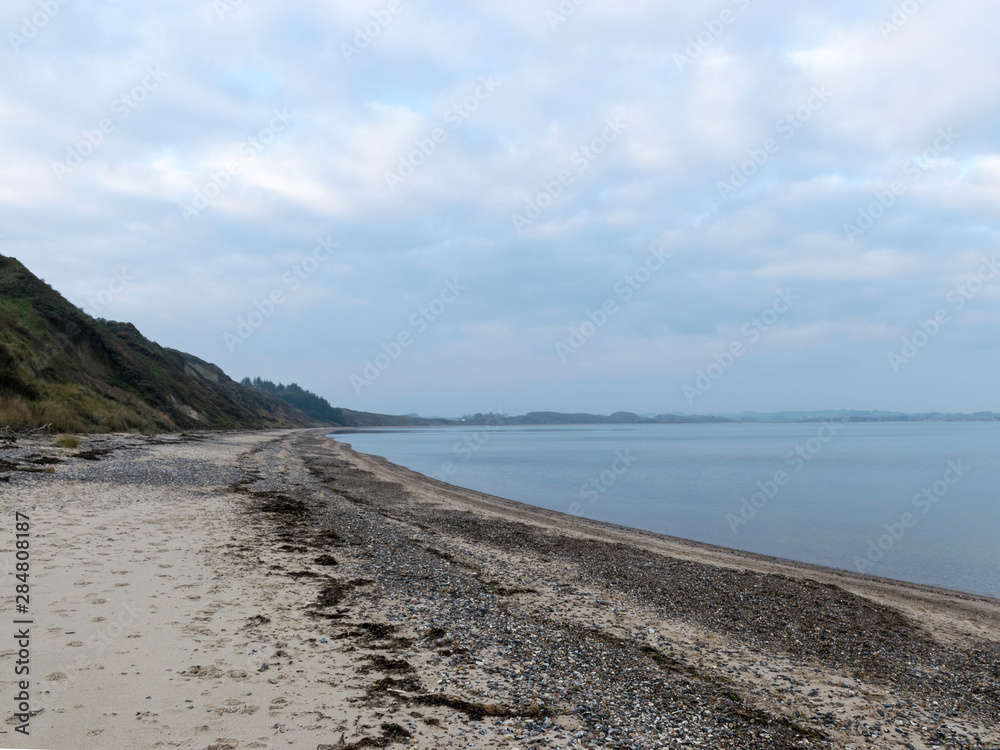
(821,498)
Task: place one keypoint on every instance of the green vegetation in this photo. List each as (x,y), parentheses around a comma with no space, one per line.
(68,441)
(313,406)
(62,368)
(319,409)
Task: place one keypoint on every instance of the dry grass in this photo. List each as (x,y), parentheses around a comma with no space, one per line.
(14,411)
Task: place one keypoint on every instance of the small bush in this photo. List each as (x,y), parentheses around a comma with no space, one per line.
(15,412)
(68,441)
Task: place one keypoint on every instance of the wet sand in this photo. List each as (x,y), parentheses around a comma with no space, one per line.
(276,589)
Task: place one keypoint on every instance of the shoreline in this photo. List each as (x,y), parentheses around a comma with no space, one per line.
(283,590)
(714,551)
(887,589)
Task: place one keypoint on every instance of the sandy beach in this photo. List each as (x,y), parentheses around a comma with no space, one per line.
(275,589)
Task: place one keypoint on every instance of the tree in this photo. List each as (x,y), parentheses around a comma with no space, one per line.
(308,403)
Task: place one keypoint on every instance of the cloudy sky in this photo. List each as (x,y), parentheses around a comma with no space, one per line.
(453,207)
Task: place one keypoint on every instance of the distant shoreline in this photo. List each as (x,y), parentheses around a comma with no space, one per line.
(556,419)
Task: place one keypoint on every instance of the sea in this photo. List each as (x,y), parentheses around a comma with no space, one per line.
(913,501)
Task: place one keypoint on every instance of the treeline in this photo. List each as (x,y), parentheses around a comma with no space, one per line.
(308,403)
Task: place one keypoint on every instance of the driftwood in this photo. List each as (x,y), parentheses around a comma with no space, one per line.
(9,432)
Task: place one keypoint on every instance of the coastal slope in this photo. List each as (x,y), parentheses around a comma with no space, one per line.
(61,367)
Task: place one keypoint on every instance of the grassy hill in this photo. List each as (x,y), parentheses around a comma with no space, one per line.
(59,366)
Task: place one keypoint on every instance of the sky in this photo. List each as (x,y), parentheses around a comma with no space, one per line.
(457,207)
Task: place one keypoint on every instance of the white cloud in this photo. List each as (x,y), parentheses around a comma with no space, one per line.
(354,121)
